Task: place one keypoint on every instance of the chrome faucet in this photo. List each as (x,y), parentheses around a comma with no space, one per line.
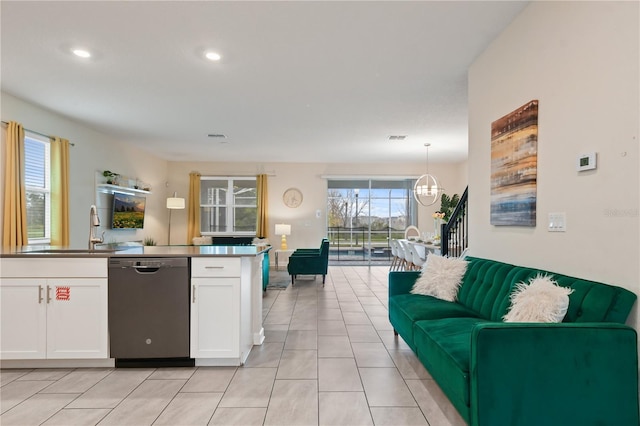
(94,222)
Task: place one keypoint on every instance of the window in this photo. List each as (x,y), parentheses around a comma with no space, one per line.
(365,214)
(228,205)
(37,182)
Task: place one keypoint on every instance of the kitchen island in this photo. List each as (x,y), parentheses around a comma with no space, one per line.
(55,303)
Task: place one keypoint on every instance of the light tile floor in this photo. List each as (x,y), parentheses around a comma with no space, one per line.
(329,358)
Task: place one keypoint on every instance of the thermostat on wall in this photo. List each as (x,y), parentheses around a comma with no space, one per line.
(586,162)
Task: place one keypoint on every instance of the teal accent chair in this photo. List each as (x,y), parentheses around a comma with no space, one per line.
(310,262)
(265,271)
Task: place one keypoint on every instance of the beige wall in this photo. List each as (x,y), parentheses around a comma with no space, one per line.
(580,60)
(306,229)
(95,151)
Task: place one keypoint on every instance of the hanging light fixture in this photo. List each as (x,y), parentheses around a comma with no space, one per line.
(426,190)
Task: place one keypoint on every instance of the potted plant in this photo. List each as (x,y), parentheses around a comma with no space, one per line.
(447,205)
(112,178)
(148,241)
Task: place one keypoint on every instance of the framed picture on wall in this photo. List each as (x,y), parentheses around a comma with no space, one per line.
(514,167)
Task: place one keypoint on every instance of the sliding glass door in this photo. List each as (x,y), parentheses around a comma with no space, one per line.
(364,215)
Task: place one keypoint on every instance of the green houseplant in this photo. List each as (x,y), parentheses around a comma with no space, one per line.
(448,204)
(112,178)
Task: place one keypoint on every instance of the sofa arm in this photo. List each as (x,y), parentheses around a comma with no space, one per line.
(562,374)
(401,282)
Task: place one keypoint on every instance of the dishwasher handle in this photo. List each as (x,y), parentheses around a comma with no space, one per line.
(141,269)
(145,269)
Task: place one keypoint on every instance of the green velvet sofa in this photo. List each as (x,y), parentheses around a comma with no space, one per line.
(583,371)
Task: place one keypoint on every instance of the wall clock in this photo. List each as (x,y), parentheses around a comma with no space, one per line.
(292,197)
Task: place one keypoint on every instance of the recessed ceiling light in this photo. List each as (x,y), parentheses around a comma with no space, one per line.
(212,56)
(81,53)
(397,137)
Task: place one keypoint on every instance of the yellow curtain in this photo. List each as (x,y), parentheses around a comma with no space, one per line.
(262,227)
(193,210)
(14,226)
(59,192)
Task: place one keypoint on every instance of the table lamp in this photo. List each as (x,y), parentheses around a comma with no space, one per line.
(284,230)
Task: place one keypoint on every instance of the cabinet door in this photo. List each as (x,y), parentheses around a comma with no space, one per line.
(215,317)
(77,318)
(23,318)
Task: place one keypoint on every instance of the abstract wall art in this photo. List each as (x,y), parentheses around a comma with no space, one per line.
(514,167)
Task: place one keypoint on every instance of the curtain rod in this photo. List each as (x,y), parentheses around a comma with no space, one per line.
(37,133)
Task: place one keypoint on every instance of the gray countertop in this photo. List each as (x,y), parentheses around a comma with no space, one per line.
(139,251)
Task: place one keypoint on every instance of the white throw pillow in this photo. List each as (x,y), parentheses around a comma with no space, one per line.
(542,300)
(441,277)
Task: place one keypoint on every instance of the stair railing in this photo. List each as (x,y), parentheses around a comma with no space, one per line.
(454,234)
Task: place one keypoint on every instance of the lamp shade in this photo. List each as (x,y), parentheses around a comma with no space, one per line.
(283,229)
(175,202)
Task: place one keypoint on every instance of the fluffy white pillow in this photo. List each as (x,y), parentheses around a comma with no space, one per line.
(542,300)
(440,277)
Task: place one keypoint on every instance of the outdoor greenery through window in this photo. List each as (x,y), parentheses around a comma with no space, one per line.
(228,205)
(37,182)
(363,215)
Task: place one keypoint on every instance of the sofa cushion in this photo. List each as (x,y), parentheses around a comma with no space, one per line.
(444,347)
(440,277)
(405,309)
(486,287)
(541,300)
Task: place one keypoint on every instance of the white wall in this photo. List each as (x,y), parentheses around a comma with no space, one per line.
(95,151)
(306,229)
(580,60)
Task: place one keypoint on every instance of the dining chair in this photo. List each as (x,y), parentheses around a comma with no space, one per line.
(402,260)
(394,254)
(407,255)
(419,255)
(412,232)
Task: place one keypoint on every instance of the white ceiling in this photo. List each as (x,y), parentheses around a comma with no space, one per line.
(298,81)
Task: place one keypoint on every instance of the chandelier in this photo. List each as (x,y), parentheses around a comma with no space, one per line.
(426,189)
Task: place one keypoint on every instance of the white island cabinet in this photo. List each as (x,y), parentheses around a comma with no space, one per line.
(53,309)
(221,309)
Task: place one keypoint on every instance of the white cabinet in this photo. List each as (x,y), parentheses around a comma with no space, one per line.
(215,317)
(23,319)
(220,314)
(53,309)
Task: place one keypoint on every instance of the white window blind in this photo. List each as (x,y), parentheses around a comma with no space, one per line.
(37,182)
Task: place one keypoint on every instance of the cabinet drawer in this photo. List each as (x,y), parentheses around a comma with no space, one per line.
(46,267)
(215,267)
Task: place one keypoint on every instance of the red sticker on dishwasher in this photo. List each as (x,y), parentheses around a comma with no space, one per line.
(63,293)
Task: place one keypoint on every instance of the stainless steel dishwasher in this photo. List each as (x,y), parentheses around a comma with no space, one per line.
(149,311)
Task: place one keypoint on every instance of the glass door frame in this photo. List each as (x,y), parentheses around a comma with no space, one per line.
(351,188)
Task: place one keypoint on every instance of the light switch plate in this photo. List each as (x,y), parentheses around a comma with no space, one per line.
(557,222)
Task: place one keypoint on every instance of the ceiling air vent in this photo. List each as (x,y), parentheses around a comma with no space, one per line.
(397,137)
(217,135)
